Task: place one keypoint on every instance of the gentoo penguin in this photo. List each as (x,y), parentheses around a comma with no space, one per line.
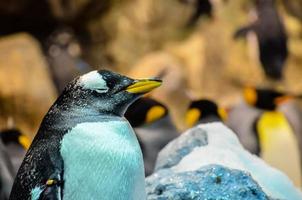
(204,111)
(85,148)
(153,126)
(270,130)
(271,36)
(16,145)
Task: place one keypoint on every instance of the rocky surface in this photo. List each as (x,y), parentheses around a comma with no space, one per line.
(172,154)
(208,182)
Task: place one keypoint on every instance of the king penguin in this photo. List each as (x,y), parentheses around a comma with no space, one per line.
(204,111)
(85,148)
(16,145)
(154,127)
(270,130)
(6,173)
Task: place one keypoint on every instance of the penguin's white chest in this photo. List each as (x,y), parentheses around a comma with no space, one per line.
(102,160)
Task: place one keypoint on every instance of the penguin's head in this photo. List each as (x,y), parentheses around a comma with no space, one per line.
(201,109)
(104,92)
(266,99)
(145,111)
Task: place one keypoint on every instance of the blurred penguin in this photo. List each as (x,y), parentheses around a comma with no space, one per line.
(153,126)
(63,53)
(271,36)
(269,130)
(7,173)
(201,8)
(16,145)
(204,111)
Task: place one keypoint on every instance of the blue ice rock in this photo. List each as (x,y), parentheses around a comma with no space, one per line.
(209,182)
(177,149)
(187,164)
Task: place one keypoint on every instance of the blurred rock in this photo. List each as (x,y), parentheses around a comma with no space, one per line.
(294,7)
(26,89)
(134,28)
(29,16)
(13,6)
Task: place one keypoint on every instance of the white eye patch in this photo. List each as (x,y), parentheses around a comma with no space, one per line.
(94,81)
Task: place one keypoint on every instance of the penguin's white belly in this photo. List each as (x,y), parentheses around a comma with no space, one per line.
(102,160)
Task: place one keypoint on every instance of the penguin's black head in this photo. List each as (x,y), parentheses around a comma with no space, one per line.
(104,92)
(202,109)
(14,136)
(266,99)
(145,111)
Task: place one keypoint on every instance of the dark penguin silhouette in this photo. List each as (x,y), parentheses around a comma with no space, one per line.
(153,126)
(272,38)
(63,53)
(16,145)
(201,8)
(204,111)
(85,148)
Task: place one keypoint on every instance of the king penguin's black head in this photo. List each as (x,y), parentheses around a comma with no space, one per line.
(267,99)
(202,110)
(103,92)
(14,136)
(145,111)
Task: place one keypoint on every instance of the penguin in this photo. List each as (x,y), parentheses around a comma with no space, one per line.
(63,53)
(6,173)
(204,111)
(272,38)
(16,145)
(270,130)
(85,148)
(153,126)
(202,8)
(242,117)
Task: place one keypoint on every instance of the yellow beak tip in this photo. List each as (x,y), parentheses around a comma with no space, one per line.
(143,86)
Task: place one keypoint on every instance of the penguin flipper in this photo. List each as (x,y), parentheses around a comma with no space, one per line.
(243,31)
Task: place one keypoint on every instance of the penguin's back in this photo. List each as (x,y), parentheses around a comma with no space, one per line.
(102,160)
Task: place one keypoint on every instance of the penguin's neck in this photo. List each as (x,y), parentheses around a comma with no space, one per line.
(102,159)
